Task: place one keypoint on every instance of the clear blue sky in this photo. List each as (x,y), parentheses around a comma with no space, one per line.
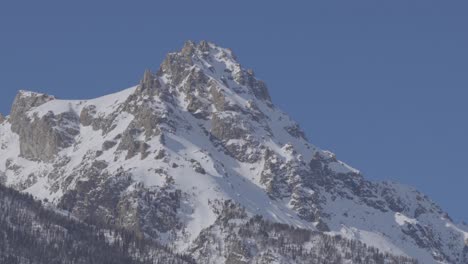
(383,84)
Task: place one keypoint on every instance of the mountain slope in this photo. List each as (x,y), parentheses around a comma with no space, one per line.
(33,234)
(237,238)
(156,157)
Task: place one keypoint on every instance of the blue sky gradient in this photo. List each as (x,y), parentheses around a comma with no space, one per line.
(383,84)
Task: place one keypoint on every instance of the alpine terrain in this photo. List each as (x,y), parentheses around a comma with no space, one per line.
(199,165)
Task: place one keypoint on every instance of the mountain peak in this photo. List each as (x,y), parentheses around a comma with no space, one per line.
(200,68)
(190,47)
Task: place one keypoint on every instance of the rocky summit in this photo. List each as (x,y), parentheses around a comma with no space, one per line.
(198,158)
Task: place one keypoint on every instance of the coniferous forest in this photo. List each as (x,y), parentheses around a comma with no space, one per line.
(32,234)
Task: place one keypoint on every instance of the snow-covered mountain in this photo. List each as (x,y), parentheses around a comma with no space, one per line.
(163,158)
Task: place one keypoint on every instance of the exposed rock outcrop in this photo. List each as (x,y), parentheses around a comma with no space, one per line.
(41,137)
(23,102)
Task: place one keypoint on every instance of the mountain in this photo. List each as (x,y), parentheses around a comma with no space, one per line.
(163,158)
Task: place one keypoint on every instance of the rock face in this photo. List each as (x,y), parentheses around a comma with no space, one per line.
(25,101)
(41,137)
(158,158)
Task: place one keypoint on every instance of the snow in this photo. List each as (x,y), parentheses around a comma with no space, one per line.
(104,105)
(401,219)
(25,93)
(341,167)
(373,227)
